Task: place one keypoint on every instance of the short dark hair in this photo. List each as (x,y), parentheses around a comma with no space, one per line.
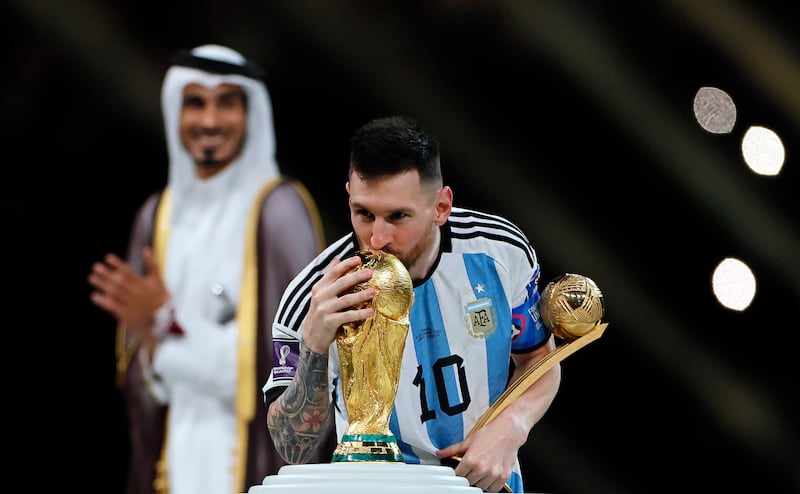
(392,145)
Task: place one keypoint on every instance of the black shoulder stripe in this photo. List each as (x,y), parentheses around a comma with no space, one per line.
(524,246)
(296,304)
(469,213)
(466,224)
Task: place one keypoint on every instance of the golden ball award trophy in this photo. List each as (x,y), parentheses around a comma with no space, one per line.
(370,353)
(572,307)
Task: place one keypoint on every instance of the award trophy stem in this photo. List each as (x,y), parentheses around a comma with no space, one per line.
(534,373)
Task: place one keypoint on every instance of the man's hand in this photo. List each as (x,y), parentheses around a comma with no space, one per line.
(131,298)
(332,302)
(487,455)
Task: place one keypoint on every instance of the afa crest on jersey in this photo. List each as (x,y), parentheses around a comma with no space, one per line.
(481,318)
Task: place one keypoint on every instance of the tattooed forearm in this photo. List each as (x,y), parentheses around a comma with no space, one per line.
(297,419)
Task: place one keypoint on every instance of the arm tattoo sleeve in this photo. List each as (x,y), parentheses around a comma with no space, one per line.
(297,419)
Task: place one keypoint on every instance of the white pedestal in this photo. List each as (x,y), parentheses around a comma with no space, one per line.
(363,478)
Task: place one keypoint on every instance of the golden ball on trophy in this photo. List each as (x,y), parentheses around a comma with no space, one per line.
(571,305)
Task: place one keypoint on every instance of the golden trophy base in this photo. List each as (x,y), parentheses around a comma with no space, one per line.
(368,448)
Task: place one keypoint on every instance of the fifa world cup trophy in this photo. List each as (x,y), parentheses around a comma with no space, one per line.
(370,354)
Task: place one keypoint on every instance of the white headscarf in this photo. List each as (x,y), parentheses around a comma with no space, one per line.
(209,217)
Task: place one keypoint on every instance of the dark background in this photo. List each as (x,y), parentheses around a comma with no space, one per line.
(572,118)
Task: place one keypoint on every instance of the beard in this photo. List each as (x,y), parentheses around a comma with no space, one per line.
(215,157)
(209,159)
(412,257)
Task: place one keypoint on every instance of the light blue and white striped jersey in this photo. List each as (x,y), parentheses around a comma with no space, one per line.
(479,304)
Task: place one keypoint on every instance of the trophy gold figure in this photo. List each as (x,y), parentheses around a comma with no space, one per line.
(370,354)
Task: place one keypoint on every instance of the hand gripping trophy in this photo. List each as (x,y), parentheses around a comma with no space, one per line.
(370,354)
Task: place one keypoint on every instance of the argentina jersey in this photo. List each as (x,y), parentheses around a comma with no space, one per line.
(478,306)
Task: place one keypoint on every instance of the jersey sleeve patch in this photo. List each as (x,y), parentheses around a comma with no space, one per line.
(285,355)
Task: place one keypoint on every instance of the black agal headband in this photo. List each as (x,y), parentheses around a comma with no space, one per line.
(185,58)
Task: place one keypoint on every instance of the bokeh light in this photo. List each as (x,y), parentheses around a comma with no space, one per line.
(734,284)
(714,110)
(763,150)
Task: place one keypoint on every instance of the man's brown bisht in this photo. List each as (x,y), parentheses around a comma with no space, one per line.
(146,417)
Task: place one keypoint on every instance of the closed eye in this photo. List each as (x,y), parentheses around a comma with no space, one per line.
(397,216)
(366,214)
(393,217)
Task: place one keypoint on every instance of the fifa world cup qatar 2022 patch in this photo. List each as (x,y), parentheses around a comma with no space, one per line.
(285,355)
